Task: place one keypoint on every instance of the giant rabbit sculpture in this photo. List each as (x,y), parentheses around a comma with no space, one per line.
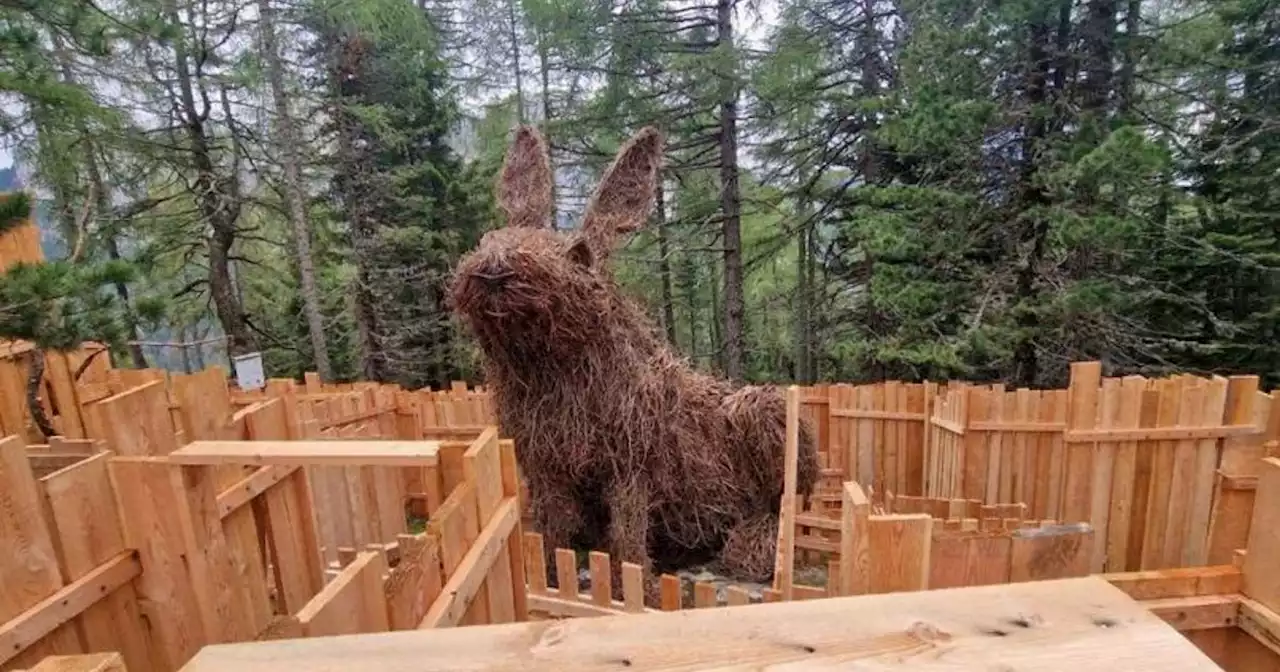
(624,446)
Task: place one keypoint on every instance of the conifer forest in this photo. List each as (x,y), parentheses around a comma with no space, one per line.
(852,189)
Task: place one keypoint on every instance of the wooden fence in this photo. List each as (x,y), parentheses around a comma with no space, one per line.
(188,517)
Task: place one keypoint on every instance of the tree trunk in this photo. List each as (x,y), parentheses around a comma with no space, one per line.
(34,377)
(1034,227)
(801,356)
(544,67)
(730,202)
(1124,87)
(514,29)
(218,201)
(294,193)
(664,265)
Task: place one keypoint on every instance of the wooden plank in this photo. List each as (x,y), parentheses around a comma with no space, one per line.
(906,567)
(47,615)
(704,595)
(1128,409)
(89,662)
(1051,552)
(1103,461)
(566,574)
(1200,612)
(464,582)
(601,581)
(1195,549)
(785,558)
(28,565)
(876,415)
(1261,580)
(516,559)
(1052,626)
(1160,433)
(975,447)
(633,587)
(1082,399)
(535,563)
(135,422)
(227,571)
(292,540)
(149,491)
(670,593)
(310,453)
(855,540)
(249,487)
(965,559)
(1161,480)
(482,465)
(352,603)
(1181,582)
(1260,622)
(83,508)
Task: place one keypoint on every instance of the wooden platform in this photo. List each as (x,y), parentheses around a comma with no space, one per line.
(1069,625)
(310,453)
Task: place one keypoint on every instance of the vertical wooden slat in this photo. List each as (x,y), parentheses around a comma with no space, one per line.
(535,563)
(855,556)
(1082,398)
(83,508)
(1124,480)
(1261,581)
(28,565)
(1182,481)
(601,581)
(1104,463)
(149,492)
(906,568)
(784,562)
(998,447)
(514,545)
(633,587)
(482,465)
(1195,550)
(567,574)
(670,593)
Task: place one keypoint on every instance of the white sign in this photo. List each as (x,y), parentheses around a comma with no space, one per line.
(249,371)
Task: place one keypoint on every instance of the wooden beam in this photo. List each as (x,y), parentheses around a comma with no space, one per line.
(1180,582)
(310,453)
(89,662)
(1261,623)
(463,585)
(251,486)
(1200,612)
(784,561)
(70,601)
(1047,626)
(1158,433)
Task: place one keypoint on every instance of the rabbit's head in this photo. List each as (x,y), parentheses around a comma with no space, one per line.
(528,284)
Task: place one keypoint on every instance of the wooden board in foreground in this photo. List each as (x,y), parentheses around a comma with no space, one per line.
(1070,624)
(307,453)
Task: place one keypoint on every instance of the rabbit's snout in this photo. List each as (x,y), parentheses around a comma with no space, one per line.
(493,279)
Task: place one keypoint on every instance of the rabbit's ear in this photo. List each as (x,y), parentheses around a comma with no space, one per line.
(626,193)
(524,186)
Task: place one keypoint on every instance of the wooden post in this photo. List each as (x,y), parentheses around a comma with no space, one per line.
(1261,582)
(784,560)
(855,555)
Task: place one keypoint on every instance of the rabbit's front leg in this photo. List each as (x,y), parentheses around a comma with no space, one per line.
(557,514)
(629,534)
